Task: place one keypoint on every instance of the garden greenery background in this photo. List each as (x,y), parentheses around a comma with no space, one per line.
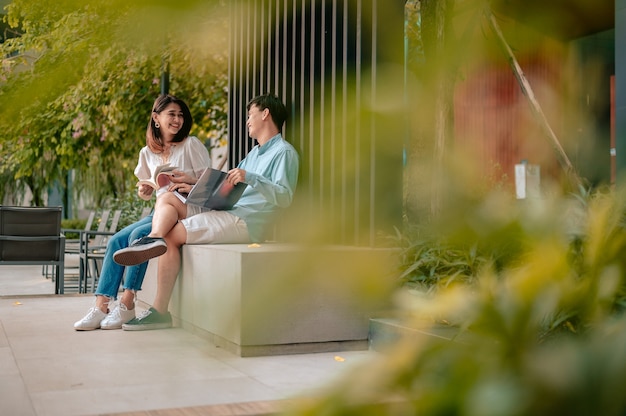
(79,82)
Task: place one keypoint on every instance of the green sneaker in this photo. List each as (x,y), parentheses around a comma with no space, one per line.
(150,319)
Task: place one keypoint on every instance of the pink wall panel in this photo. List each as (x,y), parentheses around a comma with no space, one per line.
(493,117)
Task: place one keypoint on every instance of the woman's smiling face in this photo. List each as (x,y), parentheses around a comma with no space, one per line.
(170,120)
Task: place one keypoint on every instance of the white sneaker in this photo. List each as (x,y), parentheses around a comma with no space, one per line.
(90,321)
(117,317)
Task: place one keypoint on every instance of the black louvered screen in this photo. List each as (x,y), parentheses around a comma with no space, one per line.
(337,65)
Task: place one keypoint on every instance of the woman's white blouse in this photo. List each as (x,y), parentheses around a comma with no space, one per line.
(190,156)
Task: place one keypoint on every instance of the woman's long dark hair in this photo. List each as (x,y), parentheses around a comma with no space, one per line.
(153,135)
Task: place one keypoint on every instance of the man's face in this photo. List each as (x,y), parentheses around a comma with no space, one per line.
(255,119)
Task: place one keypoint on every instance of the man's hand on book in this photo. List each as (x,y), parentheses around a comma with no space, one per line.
(235,176)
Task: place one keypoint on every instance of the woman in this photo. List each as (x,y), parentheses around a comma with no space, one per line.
(167,141)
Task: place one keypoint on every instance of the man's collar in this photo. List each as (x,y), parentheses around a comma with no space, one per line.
(272,140)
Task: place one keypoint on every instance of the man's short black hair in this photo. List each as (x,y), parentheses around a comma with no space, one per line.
(272,103)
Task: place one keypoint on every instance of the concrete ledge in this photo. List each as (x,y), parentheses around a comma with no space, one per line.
(275,299)
(386,332)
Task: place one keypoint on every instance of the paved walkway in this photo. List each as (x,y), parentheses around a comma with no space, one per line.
(47,368)
(24,280)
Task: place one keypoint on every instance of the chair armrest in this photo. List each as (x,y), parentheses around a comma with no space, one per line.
(66,231)
(32,237)
(72,230)
(86,235)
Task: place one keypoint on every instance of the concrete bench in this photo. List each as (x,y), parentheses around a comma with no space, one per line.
(272,299)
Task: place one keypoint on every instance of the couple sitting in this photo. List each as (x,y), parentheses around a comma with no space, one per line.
(270,170)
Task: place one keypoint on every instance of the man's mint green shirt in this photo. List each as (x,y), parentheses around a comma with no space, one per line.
(272,176)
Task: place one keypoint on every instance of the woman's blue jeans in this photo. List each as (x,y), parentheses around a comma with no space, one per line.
(113,273)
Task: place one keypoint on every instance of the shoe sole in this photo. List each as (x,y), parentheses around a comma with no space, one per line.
(112,327)
(87,329)
(130,257)
(118,326)
(146,327)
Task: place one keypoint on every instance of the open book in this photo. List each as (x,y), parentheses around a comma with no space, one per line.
(212,191)
(160,178)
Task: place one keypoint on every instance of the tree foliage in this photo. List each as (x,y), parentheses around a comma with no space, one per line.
(77,86)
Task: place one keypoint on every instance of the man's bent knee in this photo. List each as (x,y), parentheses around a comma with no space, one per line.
(177,236)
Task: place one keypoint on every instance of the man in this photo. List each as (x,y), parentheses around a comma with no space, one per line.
(271,172)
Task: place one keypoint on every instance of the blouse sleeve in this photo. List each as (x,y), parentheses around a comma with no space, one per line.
(142,171)
(198,156)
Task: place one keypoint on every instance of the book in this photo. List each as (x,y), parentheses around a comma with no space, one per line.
(213,192)
(160,178)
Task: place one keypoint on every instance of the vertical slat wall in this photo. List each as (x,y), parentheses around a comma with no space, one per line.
(322,57)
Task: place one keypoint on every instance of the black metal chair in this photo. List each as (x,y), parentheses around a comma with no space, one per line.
(92,251)
(72,245)
(32,236)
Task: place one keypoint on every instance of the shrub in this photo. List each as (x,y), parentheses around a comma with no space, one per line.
(538,320)
(73,224)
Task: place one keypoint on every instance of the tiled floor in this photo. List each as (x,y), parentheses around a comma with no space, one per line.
(47,368)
